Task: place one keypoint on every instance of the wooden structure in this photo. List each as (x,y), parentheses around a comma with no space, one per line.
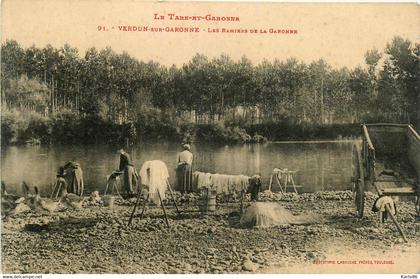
(60,181)
(139,194)
(287,176)
(113,182)
(387,162)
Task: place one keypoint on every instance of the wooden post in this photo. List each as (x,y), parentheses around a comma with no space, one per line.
(388,209)
(293,183)
(115,187)
(242,202)
(207,200)
(55,186)
(135,207)
(106,187)
(163,208)
(185,180)
(144,206)
(271,182)
(191,176)
(173,197)
(58,191)
(278,182)
(112,190)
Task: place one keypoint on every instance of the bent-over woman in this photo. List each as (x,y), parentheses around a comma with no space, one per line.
(74,177)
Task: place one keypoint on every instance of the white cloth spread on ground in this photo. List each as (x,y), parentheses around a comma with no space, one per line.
(382,201)
(266,214)
(222,183)
(154,174)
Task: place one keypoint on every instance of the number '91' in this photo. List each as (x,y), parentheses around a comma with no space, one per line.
(101,28)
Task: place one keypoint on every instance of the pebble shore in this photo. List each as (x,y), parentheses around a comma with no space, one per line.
(96,239)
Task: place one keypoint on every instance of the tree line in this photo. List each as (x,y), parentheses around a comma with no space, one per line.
(118,88)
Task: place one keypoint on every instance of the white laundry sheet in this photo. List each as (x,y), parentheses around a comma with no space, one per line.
(154,174)
(222,183)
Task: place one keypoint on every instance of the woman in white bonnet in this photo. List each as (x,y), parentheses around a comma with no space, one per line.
(183,171)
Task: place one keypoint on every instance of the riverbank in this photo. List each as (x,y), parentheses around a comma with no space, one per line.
(69,128)
(97,240)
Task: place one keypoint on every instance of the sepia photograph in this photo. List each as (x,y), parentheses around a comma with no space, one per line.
(190,137)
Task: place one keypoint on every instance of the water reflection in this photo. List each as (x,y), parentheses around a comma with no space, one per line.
(320,166)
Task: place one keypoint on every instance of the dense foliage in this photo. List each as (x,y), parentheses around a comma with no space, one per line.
(57,95)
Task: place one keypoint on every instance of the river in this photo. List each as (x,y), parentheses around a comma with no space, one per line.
(320,165)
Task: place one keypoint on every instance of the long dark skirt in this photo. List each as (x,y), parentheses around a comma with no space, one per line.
(184,178)
(130,179)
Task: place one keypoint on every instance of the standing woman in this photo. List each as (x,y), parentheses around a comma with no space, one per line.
(184,170)
(130,174)
(74,177)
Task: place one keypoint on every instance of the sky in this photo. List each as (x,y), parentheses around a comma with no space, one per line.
(339,33)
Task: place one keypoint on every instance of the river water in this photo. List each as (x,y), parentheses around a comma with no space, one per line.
(320,165)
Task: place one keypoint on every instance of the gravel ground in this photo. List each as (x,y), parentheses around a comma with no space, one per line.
(96,239)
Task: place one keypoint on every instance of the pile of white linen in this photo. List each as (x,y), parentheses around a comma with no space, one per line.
(154,174)
(267,214)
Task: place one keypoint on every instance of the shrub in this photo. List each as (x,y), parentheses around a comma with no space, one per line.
(258,138)
(187,132)
(9,128)
(65,127)
(153,124)
(304,131)
(38,130)
(218,133)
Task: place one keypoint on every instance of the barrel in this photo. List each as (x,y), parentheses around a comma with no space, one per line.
(108,200)
(211,205)
(207,202)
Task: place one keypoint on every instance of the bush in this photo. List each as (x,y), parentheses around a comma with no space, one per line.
(18,127)
(65,127)
(151,124)
(9,128)
(38,130)
(258,138)
(218,133)
(304,131)
(237,135)
(210,133)
(187,132)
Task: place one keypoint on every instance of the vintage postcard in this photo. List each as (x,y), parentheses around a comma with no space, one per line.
(160,137)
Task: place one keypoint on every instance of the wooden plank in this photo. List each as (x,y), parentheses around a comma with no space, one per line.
(378,190)
(398,191)
(271,182)
(387,128)
(388,178)
(388,209)
(413,132)
(173,197)
(386,124)
(393,191)
(366,134)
